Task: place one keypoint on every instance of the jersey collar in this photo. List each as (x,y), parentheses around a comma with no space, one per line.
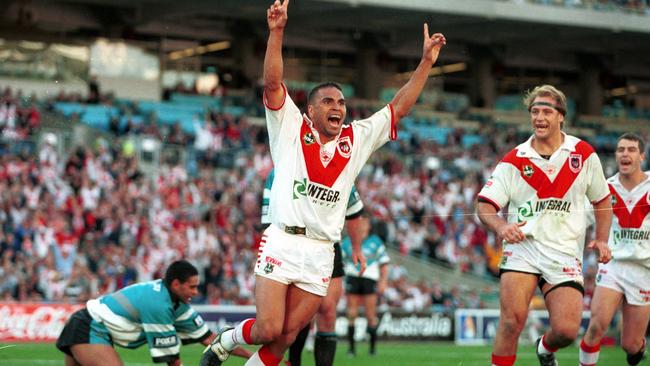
(310,124)
(525,150)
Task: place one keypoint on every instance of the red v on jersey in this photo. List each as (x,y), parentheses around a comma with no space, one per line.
(325,175)
(536,178)
(630,219)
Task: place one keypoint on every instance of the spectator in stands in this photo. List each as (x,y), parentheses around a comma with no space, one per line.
(94,93)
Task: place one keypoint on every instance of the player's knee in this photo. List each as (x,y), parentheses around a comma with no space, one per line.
(595,331)
(266,333)
(326,307)
(286,338)
(327,319)
(631,345)
(565,335)
(512,325)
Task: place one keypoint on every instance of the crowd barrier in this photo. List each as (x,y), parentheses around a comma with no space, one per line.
(44,322)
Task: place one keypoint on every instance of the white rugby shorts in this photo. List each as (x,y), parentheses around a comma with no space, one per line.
(295,259)
(533,257)
(627,277)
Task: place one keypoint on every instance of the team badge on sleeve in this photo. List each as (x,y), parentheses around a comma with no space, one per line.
(575,162)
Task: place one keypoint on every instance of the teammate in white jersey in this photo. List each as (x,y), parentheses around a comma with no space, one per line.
(626,279)
(545,181)
(316,160)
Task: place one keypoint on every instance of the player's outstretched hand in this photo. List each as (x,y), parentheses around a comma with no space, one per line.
(604,253)
(512,233)
(277,15)
(432,45)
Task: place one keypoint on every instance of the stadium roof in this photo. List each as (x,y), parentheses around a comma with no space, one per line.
(519,33)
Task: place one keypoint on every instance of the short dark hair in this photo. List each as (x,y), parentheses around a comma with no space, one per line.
(180,270)
(633,137)
(314,90)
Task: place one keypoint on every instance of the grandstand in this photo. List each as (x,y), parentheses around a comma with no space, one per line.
(170,156)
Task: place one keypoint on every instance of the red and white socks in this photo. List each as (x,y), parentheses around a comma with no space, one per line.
(263,357)
(241,334)
(588,354)
(503,360)
(543,348)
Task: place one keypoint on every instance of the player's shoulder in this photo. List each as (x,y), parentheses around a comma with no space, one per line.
(579,145)
(149,296)
(613,181)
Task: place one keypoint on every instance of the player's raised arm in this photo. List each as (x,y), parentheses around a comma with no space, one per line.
(276,17)
(409,93)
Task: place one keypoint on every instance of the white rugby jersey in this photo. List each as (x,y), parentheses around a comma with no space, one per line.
(306,192)
(629,238)
(549,194)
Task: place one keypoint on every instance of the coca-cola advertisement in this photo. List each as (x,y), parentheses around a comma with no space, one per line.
(33,322)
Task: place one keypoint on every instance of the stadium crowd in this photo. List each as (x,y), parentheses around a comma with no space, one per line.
(91,222)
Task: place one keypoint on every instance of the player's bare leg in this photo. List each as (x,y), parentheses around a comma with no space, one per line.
(69,361)
(270,299)
(326,319)
(325,345)
(370,306)
(300,309)
(516,291)
(95,355)
(564,306)
(635,323)
(603,307)
(353,311)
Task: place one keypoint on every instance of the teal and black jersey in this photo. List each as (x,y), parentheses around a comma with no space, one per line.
(375,252)
(145,313)
(355,205)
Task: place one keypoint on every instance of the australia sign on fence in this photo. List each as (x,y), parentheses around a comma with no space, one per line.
(44,322)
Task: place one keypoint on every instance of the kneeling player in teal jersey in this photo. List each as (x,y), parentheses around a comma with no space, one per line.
(156,313)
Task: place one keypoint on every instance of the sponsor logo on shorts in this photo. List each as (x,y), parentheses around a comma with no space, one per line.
(645,295)
(325,279)
(164,342)
(273,261)
(269,268)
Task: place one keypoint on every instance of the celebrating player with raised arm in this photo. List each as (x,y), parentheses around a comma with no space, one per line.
(316,160)
(325,344)
(545,181)
(626,279)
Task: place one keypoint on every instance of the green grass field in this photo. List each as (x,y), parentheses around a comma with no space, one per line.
(393,353)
